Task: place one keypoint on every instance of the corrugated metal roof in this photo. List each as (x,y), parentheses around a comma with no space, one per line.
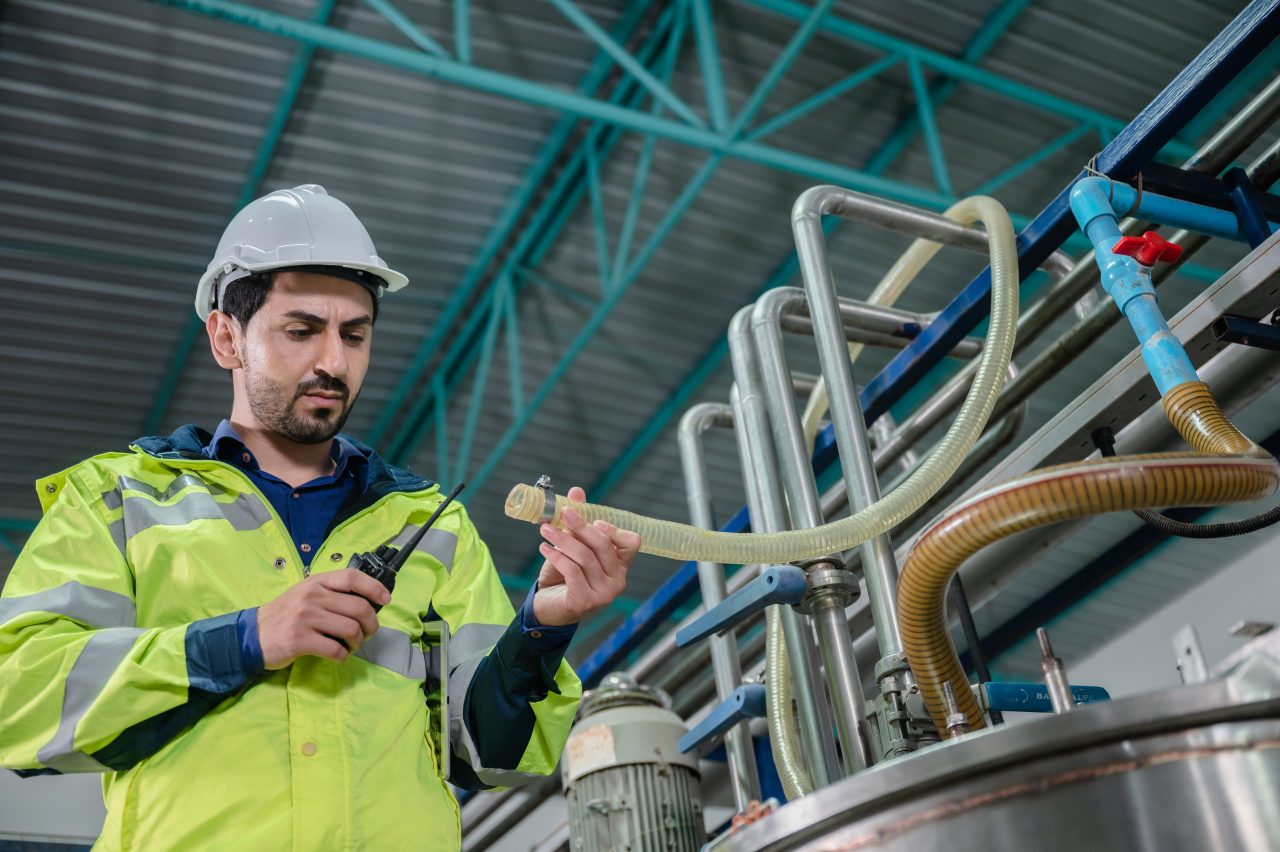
(128,129)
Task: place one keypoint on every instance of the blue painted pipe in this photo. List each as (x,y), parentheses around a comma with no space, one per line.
(1129,285)
(1175,212)
(1120,199)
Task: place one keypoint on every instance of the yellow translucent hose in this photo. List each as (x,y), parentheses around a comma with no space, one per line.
(885,294)
(683,542)
(1227,468)
(784,733)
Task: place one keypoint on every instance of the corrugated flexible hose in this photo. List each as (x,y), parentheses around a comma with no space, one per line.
(1225,468)
(684,542)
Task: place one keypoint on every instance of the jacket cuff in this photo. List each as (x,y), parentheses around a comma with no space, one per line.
(250,644)
(214,658)
(539,637)
(526,670)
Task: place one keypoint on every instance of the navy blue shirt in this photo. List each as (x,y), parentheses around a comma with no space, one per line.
(309,509)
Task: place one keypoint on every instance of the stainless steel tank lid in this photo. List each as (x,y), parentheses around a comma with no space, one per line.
(1251,691)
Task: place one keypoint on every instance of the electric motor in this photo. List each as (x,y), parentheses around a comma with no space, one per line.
(628,786)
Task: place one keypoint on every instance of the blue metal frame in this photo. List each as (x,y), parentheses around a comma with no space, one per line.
(408,28)
(732,142)
(635,68)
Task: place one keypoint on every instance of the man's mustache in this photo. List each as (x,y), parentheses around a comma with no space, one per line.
(324,383)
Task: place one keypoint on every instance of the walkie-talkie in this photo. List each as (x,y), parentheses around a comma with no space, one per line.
(385,563)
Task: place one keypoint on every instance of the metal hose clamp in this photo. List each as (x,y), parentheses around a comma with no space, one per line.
(548,499)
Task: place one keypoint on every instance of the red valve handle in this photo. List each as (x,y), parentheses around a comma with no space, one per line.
(1148,248)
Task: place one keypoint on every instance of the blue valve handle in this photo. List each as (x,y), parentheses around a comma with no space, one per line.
(781,584)
(746,702)
(1034,697)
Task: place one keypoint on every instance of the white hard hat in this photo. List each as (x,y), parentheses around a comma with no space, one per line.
(290,228)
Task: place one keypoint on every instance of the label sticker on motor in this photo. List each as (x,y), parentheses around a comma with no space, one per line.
(590,749)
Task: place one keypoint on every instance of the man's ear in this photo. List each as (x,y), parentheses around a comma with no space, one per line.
(224,339)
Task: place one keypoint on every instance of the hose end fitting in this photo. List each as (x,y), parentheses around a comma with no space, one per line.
(534,504)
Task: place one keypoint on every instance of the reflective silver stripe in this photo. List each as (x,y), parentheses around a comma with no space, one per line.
(112,500)
(245,513)
(468,647)
(116,529)
(95,665)
(186,480)
(465,748)
(394,650)
(90,606)
(474,639)
(441,544)
(459,736)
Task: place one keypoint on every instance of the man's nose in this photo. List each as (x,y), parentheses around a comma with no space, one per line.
(332,357)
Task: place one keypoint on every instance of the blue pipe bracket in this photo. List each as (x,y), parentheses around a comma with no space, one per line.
(781,584)
(746,702)
(1017,697)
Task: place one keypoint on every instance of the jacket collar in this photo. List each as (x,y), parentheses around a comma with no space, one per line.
(188,442)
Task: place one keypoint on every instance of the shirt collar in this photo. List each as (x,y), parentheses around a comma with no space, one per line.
(227,446)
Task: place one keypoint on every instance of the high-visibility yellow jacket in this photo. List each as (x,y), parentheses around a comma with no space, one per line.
(119,654)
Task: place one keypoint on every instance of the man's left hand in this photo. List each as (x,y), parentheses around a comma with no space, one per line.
(585,569)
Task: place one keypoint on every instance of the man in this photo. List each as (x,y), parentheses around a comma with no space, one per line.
(183,619)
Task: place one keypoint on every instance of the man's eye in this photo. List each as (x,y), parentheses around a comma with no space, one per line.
(354,339)
(298,333)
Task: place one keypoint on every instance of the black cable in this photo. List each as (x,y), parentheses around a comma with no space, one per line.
(959,605)
(1105,441)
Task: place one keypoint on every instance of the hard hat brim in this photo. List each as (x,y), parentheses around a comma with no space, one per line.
(204,291)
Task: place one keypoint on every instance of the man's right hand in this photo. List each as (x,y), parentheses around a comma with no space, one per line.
(311,617)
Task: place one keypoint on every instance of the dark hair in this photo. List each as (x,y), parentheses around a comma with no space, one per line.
(244,297)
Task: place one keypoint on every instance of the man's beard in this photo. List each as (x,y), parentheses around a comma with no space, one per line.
(274,407)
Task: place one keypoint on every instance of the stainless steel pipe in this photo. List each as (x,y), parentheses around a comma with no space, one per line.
(769,514)
(877,326)
(802,501)
(726,668)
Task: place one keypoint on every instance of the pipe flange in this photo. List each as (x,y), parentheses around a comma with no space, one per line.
(548,499)
(833,562)
(826,584)
(893,664)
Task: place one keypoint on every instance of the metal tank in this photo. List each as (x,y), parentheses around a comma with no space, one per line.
(1194,769)
(628,787)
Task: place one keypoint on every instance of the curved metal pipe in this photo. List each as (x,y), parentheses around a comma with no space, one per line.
(764,497)
(802,501)
(726,667)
